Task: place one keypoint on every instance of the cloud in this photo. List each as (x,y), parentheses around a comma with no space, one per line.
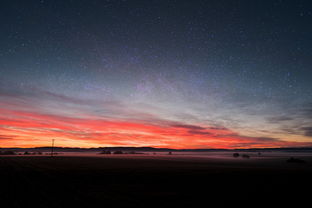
(38,129)
(307,131)
(86,123)
(295,120)
(279,119)
(196,132)
(5,137)
(33,96)
(190,127)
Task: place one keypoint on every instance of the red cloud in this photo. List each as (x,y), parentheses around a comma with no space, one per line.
(24,129)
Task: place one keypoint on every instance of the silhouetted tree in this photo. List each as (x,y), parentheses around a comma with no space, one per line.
(245,156)
(7,153)
(118,152)
(235,154)
(295,160)
(106,152)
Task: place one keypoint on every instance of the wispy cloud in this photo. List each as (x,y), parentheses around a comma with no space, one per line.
(307,131)
(5,137)
(34,127)
(85,122)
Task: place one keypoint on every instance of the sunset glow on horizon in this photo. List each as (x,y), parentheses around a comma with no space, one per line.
(34,130)
(22,124)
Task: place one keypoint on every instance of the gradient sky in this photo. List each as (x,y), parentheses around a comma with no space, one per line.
(178,74)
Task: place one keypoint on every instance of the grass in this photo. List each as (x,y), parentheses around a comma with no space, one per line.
(41,181)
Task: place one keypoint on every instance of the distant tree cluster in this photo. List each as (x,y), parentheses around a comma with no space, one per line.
(236,155)
(243,155)
(118,152)
(295,160)
(32,153)
(7,153)
(106,152)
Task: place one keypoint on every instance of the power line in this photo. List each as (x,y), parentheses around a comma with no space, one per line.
(52,148)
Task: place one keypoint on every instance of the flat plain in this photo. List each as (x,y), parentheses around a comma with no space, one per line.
(152,180)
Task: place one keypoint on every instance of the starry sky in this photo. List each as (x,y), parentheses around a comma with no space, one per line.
(178,74)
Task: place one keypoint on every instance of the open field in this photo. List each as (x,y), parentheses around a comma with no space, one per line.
(141,181)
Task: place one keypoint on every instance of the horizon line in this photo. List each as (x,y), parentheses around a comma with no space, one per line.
(159,148)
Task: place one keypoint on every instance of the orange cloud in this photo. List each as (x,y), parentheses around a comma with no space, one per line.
(28,129)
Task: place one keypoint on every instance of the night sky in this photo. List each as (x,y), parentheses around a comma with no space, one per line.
(178,74)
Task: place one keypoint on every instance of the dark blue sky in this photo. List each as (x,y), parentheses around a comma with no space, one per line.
(244,66)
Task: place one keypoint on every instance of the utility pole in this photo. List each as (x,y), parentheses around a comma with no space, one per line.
(52,148)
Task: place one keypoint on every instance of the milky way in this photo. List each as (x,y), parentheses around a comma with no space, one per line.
(179,74)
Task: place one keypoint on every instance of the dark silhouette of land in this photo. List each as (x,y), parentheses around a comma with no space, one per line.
(150,181)
(148,149)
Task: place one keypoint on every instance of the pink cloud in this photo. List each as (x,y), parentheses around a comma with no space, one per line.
(33,129)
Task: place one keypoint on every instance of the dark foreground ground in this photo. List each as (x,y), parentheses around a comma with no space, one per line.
(144,182)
